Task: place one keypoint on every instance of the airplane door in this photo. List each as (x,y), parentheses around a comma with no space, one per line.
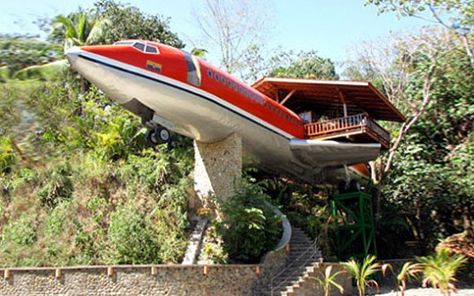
(193,68)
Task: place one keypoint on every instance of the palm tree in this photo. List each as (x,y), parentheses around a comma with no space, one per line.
(80,29)
(408,271)
(75,30)
(363,272)
(329,280)
(439,270)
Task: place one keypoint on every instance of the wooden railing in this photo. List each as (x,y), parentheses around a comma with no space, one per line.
(346,124)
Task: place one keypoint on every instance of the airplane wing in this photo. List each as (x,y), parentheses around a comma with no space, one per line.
(317,153)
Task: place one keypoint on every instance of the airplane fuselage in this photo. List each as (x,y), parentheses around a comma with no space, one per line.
(195,99)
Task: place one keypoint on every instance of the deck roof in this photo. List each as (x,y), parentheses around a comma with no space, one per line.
(360,96)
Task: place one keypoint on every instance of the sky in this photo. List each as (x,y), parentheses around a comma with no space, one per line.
(331,27)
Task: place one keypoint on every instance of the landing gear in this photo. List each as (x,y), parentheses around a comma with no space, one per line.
(351,186)
(158,135)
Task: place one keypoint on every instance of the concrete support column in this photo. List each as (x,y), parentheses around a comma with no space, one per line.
(217,166)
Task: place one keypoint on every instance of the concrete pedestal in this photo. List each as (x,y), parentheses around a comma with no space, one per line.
(217,167)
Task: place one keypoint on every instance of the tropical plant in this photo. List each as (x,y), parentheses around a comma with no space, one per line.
(250,227)
(7,154)
(439,270)
(329,280)
(131,238)
(407,272)
(362,272)
(79,29)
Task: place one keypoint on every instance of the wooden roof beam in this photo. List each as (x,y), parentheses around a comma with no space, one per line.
(287,97)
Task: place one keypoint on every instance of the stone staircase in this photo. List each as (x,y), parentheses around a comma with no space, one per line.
(303,255)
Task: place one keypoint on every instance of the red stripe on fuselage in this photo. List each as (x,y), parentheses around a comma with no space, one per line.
(213,80)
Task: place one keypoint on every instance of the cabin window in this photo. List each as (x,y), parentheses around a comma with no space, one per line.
(151,49)
(193,68)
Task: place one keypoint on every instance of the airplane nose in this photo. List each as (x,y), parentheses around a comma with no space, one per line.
(72,55)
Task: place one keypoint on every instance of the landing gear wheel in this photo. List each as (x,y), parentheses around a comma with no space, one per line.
(159,135)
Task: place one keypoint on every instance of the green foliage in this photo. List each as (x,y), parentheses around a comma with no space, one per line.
(306,65)
(362,272)
(58,186)
(4,73)
(249,227)
(128,22)
(131,239)
(436,154)
(79,29)
(329,280)
(408,271)
(43,72)
(20,232)
(439,270)
(90,190)
(54,224)
(7,154)
(18,52)
(460,12)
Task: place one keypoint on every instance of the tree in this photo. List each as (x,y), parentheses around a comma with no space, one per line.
(128,22)
(408,271)
(455,15)
(235,28)
(306,65)
(362,272)
(79,29)
(329,280)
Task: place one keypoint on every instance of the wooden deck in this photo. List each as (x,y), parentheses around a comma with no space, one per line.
(358,127)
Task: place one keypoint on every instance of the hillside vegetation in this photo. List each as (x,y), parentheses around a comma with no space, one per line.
(80,188)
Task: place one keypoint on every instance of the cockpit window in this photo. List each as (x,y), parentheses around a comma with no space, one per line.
(140,46)
(151,49)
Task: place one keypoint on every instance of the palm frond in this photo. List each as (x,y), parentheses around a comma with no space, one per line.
(97,31)
(42,72)
(81,28)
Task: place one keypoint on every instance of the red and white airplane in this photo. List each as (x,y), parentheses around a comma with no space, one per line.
(185,94)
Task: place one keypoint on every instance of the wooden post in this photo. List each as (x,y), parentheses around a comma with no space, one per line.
(110,271)
(57,273)
(6,274)
(205,270)
(257,270)
(344,106)
(154,270)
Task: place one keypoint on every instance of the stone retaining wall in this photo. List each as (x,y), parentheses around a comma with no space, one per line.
(131,280)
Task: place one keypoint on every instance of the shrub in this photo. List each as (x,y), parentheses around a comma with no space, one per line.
(131,239)
(7,154)
(20,231)
(362,272)
(439,270)
(250,227)
(58,186)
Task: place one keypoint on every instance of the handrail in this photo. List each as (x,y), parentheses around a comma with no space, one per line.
(285,225)
(378,130)
(345,123)
(313,248)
